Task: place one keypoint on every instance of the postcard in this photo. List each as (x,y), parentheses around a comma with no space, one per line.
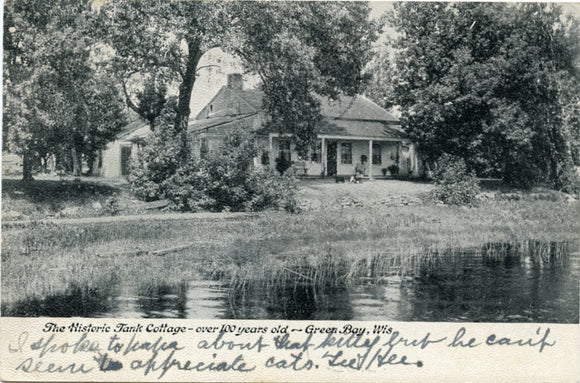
(290,191)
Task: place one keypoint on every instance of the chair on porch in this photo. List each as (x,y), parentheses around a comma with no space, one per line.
(300,168)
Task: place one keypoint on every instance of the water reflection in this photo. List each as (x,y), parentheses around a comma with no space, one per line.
(496,284)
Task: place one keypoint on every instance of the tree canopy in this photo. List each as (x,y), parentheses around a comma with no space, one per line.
(493,84)
(56,101)
(297,48)
(300,50)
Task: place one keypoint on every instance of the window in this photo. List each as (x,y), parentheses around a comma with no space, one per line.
(284,150)
(316,153)
(346,153)
(377,155)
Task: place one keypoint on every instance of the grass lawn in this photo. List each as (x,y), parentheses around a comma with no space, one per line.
(51,197)
(332,243)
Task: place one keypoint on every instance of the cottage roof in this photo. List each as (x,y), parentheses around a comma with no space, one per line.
(134,124)
(222,122)
(352,116)
(348,116)
(138,134)
(345,107)
(354,108)
(252,97)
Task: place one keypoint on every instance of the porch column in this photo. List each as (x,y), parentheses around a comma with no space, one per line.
(370,159)
(323,154)
(270,152)
(398,157)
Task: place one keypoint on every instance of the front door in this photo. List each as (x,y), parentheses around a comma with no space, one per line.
(331,158)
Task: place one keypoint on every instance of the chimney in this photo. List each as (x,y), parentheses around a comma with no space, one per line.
(235,81)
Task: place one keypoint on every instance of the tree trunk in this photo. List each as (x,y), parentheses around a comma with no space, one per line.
(77,162)
(185,89)
(53,163)
(91,159)
(27,167)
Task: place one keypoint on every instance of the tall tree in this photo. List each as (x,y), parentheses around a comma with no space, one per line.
(300,50)
(484,81)
(296,47)
(380,87)
(157,43)
(55,100)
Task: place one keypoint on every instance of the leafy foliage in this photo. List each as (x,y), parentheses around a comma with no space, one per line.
(56,98)
(301,49)
(158,43)
(455,185)
(224,180)
(380,87)
(158,158)
(490,84)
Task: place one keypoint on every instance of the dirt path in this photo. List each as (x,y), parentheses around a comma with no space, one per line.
(132,218)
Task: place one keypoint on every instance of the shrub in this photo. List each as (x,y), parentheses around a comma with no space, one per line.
(157,160)
(223,181)
(236,185)
(186,190)
(567,179)
(112,205)
(394,169)
(282,164)
(271,190)
(454,184)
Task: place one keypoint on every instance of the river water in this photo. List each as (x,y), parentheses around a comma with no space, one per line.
(463,286)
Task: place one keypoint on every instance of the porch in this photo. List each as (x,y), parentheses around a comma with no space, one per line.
(337,156)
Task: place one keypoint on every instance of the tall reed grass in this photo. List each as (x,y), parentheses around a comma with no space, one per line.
(279,250)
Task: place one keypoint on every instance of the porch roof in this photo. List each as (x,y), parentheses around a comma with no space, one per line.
(357,128)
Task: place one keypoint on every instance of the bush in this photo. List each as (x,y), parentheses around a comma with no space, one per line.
(567,179)
(454,184)
(394,169)
(270,190)
(157,160)
(282,164)
(223,181)
(186,189)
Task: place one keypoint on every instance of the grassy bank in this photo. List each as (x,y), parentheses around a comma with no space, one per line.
(320,246)
(59,198)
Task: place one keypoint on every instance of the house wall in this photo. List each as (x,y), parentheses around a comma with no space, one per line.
(111,165)
(112,160)
(313,168)
(408,163)
(388,156)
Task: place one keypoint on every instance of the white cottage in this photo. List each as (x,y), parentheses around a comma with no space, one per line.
(351,127)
